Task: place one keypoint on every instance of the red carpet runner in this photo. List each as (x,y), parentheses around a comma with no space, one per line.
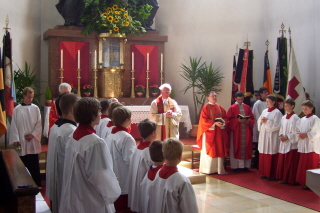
(293,194)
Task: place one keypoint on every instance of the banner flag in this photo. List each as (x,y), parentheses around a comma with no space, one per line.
(234,86)
(267,83)
(3,124)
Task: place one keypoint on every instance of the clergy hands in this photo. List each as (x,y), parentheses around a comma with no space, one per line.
(302,135)
(264,120)
(28,137)
(242,120)
(169,113)
(219,124)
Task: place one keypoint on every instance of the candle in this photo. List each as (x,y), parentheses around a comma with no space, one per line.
(78,59)
(132,58)
(61,61)
(161,62)
(147,61)
(95,59)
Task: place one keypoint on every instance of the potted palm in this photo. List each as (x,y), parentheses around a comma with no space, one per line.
(48,96)
(202,79)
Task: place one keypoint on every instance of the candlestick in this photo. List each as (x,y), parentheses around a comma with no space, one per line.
(95,59)
(61,61)
(132,84)
(78,59)
(147,61)
(161,62)
(132,63)
(95,91)
(79,78)
(147,84)
(61,75)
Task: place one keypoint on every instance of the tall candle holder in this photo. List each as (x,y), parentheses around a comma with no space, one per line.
(132,84)
(95,89)
(161,77)
(79,93)
(61,75)
(147,84)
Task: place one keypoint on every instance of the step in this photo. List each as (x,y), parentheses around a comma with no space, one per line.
(194,177)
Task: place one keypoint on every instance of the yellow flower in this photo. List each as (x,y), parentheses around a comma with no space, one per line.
(109,9)
(127,24)
(110,18)
(116,20)
(122,9)
(115,7)
(116,29)
(105,14)
(117,12)
(125,16)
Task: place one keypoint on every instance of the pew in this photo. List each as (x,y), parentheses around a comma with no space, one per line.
(17,188)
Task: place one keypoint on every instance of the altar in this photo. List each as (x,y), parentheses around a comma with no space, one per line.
(138,114)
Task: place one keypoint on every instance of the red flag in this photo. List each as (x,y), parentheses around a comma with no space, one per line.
(267,83)
(3,124)
(234,86)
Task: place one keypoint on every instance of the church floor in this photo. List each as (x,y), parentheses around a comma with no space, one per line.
(219,197)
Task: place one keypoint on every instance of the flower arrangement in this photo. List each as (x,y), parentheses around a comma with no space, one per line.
(154,88)
(73,89)
(140,88)
(114,16)
(87,88)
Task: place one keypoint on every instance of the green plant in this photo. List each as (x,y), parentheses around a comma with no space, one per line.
(48,94)
(139,88)
(27,78)
(114,16)
(87,88)
(154,88)
(201,80)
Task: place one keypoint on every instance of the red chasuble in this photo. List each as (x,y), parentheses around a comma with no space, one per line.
(53,116)
(235,127)
(217,143)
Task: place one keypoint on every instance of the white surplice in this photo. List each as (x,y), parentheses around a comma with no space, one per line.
(288,129)
(269,132)
(311,126)
(121,146)
(26,120)
(171,123)
(174,194)
(140,162)
(89,183)
(257,109)
(100,128)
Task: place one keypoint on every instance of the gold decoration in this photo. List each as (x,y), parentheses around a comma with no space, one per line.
(110,82)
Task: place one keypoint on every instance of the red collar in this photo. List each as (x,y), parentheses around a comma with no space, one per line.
(271,109)
(308,116)
(82,130)
(143,144)
(167,171)
(110,124)
(104,116)
(118,128)
(288,116)
(152,172)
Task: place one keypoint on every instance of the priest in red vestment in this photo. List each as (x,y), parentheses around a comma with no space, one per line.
(212,136)
(241,121)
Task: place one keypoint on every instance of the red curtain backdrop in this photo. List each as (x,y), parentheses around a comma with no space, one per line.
(140,64)
(70,62)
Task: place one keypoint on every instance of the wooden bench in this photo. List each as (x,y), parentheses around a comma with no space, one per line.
(194,148)
(17,188)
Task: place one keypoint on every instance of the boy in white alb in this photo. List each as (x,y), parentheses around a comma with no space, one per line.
(121,145)
(25,130)
(269,124)
(171,191)
(307,130)
(89,184)
(155,150)
(104,117)
(288,149)
(59,136)
(106,131)
(140,162)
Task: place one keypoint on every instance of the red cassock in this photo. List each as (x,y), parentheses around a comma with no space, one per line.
(217,141)
(53,116)
(235,127)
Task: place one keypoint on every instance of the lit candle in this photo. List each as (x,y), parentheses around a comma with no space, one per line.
(161,62)
(78,59)
(132,58)
(147,61)
(95,59)
(61,61)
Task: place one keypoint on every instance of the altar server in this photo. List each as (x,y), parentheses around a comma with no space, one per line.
(140,162)
(171,191)
(155,150)
(121,145)
(307,129)
(25,131)
(104,117)
(288,148)
(89,183)
(106,131)
(269,124)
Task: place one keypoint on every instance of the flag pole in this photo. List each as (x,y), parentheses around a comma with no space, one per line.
(282,31)
(267,44)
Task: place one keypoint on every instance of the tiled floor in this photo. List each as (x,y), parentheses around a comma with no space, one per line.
(219,196)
